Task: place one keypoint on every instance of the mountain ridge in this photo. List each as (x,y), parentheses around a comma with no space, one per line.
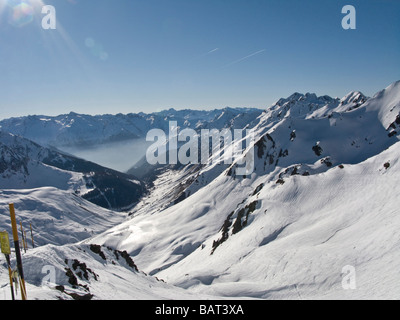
(75,129)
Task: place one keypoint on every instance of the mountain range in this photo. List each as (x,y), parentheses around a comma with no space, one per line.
(86,130)
(323,197)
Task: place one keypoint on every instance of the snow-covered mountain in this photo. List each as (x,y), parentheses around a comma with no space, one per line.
(85,130)
(27,165)
(322,199)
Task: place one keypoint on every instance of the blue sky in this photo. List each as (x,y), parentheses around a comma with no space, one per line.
(121,56)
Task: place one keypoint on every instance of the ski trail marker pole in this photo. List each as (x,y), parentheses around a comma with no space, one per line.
(17,250)
(5,248)
(22,236)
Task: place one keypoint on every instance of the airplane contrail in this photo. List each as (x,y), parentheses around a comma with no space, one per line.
(207,53)
(216,49)
(246,57)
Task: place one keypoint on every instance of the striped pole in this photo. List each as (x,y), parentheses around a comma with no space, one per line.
(10,275)
(17,250)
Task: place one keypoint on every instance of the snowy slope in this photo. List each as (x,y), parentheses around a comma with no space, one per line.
(85,272)
(387,104)
(57,216)
(322,196)
(301,235)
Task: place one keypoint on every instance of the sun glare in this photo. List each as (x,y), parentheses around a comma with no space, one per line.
(20,12)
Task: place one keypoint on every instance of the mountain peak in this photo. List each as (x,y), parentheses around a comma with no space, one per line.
(304,98)
(295,96)
(354,97)
(301,105)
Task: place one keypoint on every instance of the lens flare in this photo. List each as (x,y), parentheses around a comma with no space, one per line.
(96,49)
(21,15)
(20,12)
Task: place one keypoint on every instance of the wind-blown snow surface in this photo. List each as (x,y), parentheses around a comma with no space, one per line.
(303,233)
(99,277)
(323,196)
(297,241)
